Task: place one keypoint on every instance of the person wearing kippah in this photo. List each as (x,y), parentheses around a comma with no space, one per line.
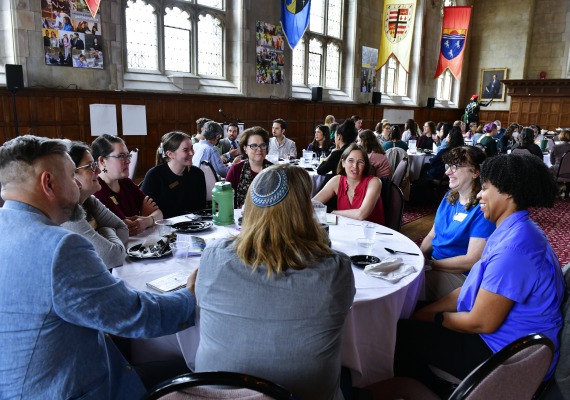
(274,298)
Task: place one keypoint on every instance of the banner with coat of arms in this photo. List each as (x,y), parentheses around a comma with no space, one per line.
(453,36)
(397,32)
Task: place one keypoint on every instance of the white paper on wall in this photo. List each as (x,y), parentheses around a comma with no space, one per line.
(103,119)
(134,120)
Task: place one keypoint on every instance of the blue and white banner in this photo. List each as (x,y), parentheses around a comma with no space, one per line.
(295,16)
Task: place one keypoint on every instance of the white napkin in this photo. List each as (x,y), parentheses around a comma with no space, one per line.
(391,269)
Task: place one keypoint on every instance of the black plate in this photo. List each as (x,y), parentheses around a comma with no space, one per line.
(363,261)
(192,226)
(205,213)
(134,252)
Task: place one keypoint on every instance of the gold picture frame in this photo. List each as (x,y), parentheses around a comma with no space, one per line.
(491,85)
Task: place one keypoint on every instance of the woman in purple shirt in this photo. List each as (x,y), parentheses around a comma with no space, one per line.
(515,289)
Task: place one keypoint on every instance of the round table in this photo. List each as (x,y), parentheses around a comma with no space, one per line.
(416,162)
(370,328)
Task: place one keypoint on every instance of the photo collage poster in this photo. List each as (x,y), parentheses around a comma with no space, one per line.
(270,46)
(71,36)
(369,61)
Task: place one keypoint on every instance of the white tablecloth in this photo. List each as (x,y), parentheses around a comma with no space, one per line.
(370,328)
(417,161)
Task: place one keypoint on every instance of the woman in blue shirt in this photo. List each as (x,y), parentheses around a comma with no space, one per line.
(460,231)
(515,289)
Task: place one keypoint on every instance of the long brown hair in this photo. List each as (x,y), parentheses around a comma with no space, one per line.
(278,238)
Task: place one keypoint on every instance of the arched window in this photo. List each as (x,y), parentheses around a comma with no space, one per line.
(444,85)
(177,39)
(317,58)
(185,36)
(393,78)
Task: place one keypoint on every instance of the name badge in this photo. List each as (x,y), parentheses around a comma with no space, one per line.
(459,217)
(114,200)
(173,184)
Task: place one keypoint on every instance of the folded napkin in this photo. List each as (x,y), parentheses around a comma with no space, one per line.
(391,269)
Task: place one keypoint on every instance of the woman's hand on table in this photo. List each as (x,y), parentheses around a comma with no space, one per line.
(137,224)
(148,206)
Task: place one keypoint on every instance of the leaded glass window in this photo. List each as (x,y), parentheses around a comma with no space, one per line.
(142,40)
(317,58)
(193,36)
(177,39)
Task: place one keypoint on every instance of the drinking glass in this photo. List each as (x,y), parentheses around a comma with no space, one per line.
(164,226)
(180,251)
(320,211)
(368,229)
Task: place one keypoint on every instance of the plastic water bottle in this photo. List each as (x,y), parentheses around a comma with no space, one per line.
(223,203)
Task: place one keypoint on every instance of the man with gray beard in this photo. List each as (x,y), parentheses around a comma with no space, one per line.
(57,298)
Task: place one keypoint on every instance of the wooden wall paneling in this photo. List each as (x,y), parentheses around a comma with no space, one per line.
(564,121)
(65,113)
(550,112)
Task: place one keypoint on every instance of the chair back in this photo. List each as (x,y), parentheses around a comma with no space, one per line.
(562,372)
(393,202)
(515,372)
(134,163)
(211,178)
(195,386)
(563,173)
(400,172)
(521,151)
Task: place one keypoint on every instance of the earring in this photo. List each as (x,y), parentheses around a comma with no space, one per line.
(104,170)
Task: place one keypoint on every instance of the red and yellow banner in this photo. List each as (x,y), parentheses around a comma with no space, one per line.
(453,37)
(398,20)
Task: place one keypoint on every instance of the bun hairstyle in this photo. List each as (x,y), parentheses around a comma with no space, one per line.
(169,142)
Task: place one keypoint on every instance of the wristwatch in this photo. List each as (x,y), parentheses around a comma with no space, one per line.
(438,318)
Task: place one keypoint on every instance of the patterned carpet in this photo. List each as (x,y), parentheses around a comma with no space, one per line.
(555,222)
(413,212)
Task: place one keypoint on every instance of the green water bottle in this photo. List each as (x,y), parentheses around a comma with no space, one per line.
(223,203)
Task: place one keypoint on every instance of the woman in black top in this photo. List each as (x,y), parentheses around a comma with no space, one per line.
(174,184)
(345,135)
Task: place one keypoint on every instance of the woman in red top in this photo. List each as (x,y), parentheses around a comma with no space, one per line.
(358,192)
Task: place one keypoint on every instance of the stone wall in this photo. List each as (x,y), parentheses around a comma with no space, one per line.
(515,34)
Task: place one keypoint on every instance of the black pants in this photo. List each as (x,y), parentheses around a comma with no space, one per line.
(420,344)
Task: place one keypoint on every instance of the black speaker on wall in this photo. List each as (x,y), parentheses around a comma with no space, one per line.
(14,77)
(431,102)
(376,97)
(317,93)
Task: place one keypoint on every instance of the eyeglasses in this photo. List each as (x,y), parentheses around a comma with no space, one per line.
(122,157)
(254,147)
(93,166)
(452,167)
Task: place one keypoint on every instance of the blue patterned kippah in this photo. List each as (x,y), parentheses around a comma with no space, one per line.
(269,187)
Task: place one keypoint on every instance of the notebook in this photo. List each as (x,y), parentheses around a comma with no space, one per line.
(170,282)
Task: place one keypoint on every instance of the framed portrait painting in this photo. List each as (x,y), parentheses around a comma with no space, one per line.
(491,85)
